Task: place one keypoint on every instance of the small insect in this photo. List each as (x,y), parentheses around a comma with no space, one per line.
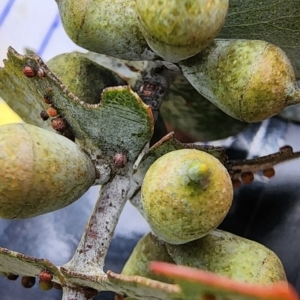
(44,115)
(28,282)
(247,177)
(11,276)
(59,124)
(45,276)
(52,111)
(29,72)
(47,99)
(270,172)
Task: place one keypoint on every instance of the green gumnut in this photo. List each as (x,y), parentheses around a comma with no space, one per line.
(40,171)
(83,77)
(149,248)
(227,254)
(105,26)
(185,194)
(178,29)
(249,80)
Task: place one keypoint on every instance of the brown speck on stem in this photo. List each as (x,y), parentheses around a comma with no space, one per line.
(52,112)
(29,72)
(236,183)
(28,282)
(247,177)
(44,115)
(47,99)
(270,172)
(45,276)
(120,160)
(11,276)
(286,149)
(59,124)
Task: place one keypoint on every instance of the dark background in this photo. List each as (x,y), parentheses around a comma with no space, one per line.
(267,211)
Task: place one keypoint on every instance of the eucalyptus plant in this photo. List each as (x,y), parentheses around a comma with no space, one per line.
(90,119)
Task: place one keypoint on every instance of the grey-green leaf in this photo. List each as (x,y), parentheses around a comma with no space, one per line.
(275,21)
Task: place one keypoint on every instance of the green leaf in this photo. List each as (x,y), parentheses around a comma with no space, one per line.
(133,286)
(22,94)
(21,264)
(274,21)
(120,123)
(185,111)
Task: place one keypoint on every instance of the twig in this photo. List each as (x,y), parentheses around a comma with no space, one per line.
(237,167)
(93,246)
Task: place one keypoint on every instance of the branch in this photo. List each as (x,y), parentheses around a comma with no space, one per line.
(93,246)
(237,168)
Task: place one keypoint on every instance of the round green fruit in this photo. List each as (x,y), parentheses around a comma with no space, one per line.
(40,171)
(186,194)
(178,29)
(249,80)
(83,77)
(219,252)
(105,26)
(232,256)
(149,248)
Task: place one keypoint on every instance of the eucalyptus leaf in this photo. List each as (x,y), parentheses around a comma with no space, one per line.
(274,21)
(19,92)
(137,287)
(188,113)
(121,122)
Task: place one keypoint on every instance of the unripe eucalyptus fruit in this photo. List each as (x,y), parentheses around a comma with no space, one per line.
(105,26)
(220,252)
(83,77)
(40,171)
(227,254)
(149,248)
(185,194)
(249,80)
(178,29)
